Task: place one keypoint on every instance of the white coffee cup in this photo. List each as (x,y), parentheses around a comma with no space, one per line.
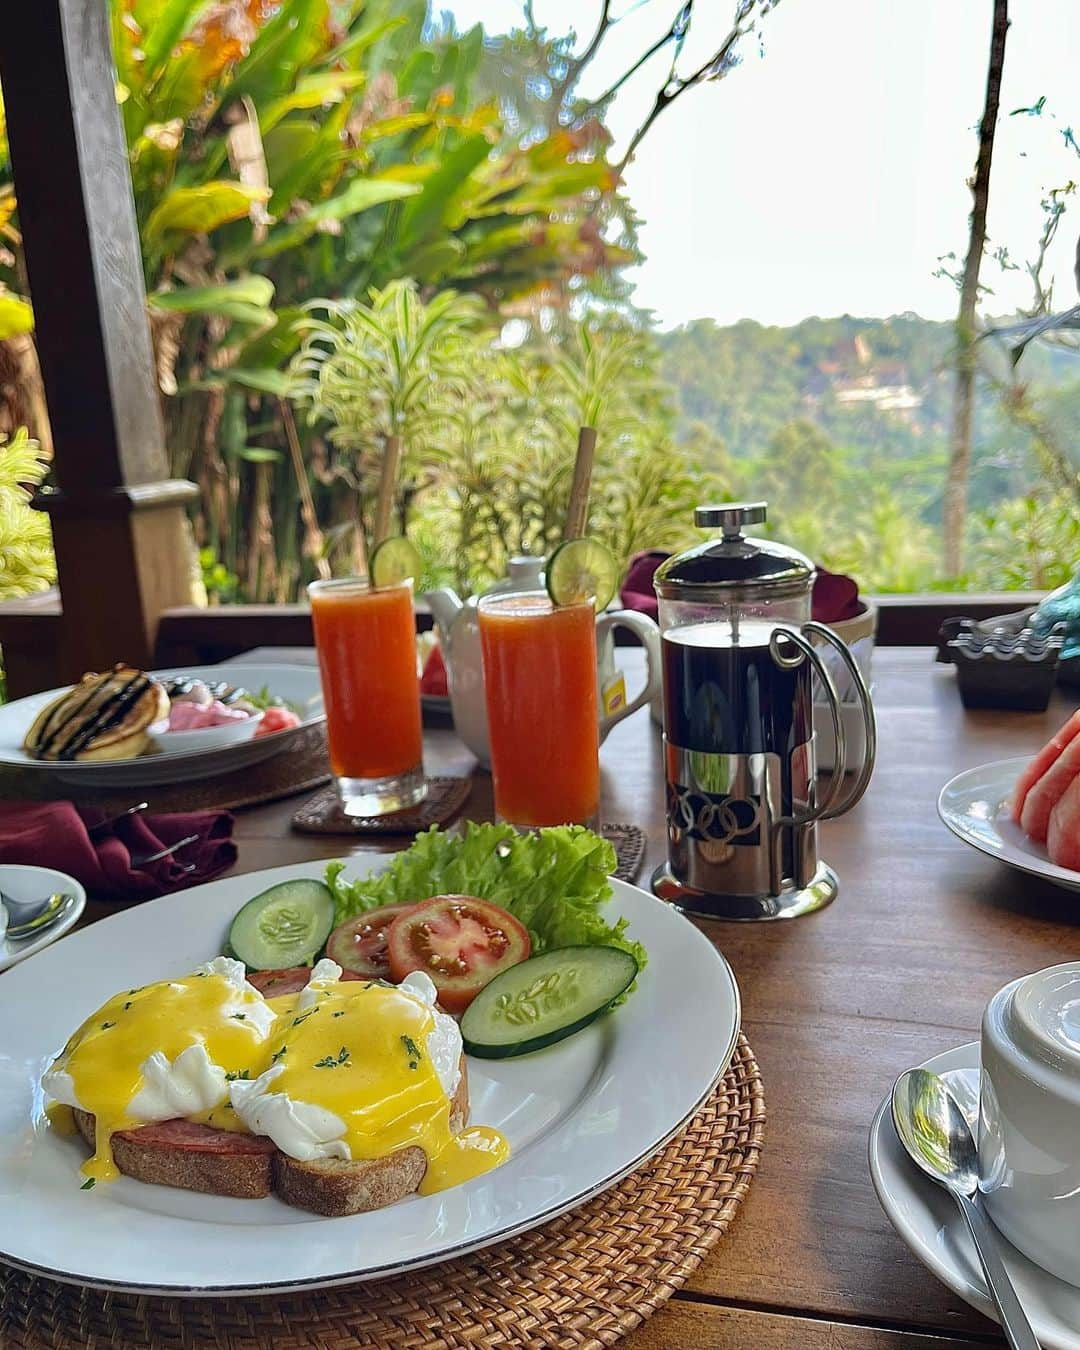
(1029,1117)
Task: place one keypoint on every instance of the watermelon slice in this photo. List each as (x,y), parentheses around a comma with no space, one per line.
(1042,761)
(433,681)
(1063,833)
(1048,791)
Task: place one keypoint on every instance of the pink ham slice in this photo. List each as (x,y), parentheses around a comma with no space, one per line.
(1048,791)
(1042,761)
(278,983)
(186,1136)
(1063,833)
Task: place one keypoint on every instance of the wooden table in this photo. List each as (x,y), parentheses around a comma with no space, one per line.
(836,1005)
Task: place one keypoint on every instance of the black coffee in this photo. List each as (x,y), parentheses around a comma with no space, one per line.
(728,698)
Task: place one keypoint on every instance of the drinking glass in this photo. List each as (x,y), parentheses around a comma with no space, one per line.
(540,687)
(365,637)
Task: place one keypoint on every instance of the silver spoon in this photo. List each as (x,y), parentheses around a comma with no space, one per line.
(938,1138)
(27,919)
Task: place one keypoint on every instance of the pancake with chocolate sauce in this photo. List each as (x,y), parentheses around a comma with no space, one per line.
(102,717)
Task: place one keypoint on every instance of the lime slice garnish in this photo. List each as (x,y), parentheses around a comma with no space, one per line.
(395,560)
(580,570)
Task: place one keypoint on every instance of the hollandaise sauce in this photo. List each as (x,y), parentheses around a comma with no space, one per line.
(105,1057)
(361,1052)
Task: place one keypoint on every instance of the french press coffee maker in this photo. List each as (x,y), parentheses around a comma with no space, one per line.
(739,668)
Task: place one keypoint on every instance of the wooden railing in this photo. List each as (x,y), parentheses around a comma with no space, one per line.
(30,629)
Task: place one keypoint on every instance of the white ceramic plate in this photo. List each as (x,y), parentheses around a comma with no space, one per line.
(975,806)
(931,1225)
(578,1116)
(296,684)
(36,883)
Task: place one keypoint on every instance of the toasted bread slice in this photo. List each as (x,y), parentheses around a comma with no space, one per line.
(192,1157)
(249,1167)
(103,717)
(333,1186)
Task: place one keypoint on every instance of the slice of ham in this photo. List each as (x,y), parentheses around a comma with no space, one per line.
(1048,791)
(1063,832)
(185,1136)
(1042,761)
(277,983)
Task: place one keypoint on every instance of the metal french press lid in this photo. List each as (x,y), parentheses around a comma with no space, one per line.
(734,567)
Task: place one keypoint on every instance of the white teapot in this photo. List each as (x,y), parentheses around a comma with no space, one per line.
(459,636)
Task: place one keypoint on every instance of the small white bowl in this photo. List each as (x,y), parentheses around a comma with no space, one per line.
(1029,1117)
(26,883)
(205,738)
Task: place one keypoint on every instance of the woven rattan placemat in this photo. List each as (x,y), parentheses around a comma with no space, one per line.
(578,1283)
(297,767)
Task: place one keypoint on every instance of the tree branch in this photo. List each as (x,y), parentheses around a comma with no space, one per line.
(956,479)
(560,89)
(715,68)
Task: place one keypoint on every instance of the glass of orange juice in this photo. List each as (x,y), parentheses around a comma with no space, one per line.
(365,637)
(540,685)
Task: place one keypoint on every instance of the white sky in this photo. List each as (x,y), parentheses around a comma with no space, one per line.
(828,176)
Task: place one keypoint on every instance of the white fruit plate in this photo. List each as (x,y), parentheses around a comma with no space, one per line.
(170,761)
(975,806)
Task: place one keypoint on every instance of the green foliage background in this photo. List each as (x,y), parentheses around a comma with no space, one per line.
(313,177)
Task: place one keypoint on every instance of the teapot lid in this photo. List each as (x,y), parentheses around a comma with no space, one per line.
(733,566)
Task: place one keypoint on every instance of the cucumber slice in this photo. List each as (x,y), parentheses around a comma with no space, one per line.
(284,926)
(544,999)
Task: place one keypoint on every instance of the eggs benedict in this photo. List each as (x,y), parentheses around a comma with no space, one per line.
(338,1095)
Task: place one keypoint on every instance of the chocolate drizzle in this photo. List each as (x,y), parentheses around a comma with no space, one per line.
(66,732)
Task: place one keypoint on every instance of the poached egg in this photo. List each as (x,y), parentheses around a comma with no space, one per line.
(160,1052)
(352,1070)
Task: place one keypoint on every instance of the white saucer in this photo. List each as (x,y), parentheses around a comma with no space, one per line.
(930,1223)
(975,806)
(37,883)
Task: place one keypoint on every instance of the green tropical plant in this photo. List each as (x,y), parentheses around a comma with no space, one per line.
(26,558)
(309,147)
(1031,543)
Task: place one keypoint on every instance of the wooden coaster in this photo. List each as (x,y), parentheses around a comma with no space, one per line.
(323,813)
(578,1283)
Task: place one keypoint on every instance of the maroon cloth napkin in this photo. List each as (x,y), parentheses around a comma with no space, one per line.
(835,598)
(637,588)
(58,834)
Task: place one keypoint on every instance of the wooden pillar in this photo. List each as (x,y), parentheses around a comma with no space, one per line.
(118,521)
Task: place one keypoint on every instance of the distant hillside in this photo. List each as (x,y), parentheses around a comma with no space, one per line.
(878,388)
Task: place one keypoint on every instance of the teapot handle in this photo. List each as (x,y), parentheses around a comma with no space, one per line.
(649,634)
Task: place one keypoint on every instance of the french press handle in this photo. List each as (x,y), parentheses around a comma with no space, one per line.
(828,809)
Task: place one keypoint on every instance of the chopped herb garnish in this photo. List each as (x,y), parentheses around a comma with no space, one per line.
(331,1063)
(106,1025)
(277,1054)
(413,1051)
(303,1017)
(240,1073)
(240,1017)
(88,1184)
(339,1014)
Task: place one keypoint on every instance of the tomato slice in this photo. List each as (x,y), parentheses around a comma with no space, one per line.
(359,944)
(460,941)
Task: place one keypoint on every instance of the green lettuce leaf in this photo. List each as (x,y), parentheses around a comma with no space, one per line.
(554,881)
